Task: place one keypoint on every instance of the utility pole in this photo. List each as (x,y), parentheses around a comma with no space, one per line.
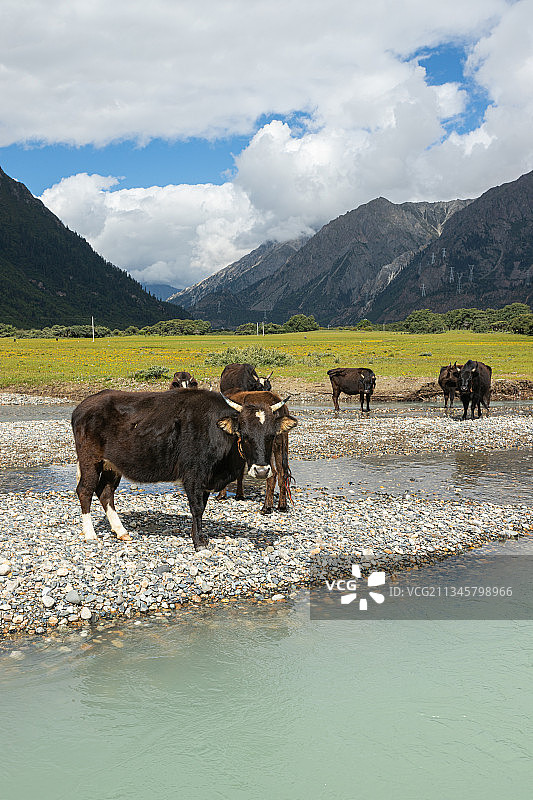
(92,325)
(471,276)
(459,279)
(433,258)
(423,290)
(444,254)
(452,276)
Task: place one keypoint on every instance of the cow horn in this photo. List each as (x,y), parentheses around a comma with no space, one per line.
(277,406)
(230,403)
(269,376)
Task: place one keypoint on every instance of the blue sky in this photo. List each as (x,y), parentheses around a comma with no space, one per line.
(175,141)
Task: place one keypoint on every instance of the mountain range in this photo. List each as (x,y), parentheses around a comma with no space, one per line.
(51,276)
(381,261)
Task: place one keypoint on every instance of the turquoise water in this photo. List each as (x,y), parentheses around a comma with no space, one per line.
(257,701)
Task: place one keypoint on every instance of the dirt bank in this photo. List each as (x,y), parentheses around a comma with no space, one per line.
(388,389)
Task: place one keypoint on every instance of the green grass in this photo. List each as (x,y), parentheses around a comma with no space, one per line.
(35,363)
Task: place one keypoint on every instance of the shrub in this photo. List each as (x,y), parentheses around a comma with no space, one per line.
(152,374)
(263,356)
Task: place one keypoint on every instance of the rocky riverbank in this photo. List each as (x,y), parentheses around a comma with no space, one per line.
(50,579)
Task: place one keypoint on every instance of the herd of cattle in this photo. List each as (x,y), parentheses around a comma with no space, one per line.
(206,439)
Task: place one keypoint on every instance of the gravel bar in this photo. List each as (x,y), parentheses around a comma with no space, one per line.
(51,578)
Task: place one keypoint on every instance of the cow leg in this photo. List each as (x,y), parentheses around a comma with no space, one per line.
(197,503)
(452,395)
(239,494)
(466,402)
(445,401)
(222,495)
(87,477)
(368,403)
(109,480)
(269,494)
(280,468)
(336,393)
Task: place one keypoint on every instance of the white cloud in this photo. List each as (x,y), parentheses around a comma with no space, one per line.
(93,72)
(97,72)
(170,233)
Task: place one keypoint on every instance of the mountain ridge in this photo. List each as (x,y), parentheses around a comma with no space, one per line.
(383,260)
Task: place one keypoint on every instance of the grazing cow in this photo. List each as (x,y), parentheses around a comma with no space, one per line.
(351,380)
(243,377)
(279,462)
(183,380)
(190,435)
(475,386)
(449,381)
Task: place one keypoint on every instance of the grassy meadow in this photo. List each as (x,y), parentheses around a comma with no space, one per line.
(39,363)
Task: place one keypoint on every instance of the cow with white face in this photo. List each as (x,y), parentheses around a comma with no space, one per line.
(263,405)
(183,380)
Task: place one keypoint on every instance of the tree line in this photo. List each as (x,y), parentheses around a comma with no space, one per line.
(170,327)
(514,318)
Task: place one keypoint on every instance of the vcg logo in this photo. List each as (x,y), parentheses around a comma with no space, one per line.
(348,588)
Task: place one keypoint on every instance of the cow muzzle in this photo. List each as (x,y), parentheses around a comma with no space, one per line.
(261,472)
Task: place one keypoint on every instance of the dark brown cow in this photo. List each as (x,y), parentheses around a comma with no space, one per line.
(190,435)
(243,377)
(352,380)
(475,386)
(279,462)
(449,382)
(183,380)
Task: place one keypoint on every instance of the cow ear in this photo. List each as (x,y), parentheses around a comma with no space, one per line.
(474,369)
(228,424)
(286,423)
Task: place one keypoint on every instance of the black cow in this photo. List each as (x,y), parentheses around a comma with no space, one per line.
(190,435)
(449,382)
(243,377)
(352,380)
(475,386)
(279,462)
(183,380)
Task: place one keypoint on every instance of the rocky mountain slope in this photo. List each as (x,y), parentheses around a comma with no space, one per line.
(253,267)
(482,259)
(344,265)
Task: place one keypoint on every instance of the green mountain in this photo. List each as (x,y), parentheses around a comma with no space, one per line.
(51,276)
